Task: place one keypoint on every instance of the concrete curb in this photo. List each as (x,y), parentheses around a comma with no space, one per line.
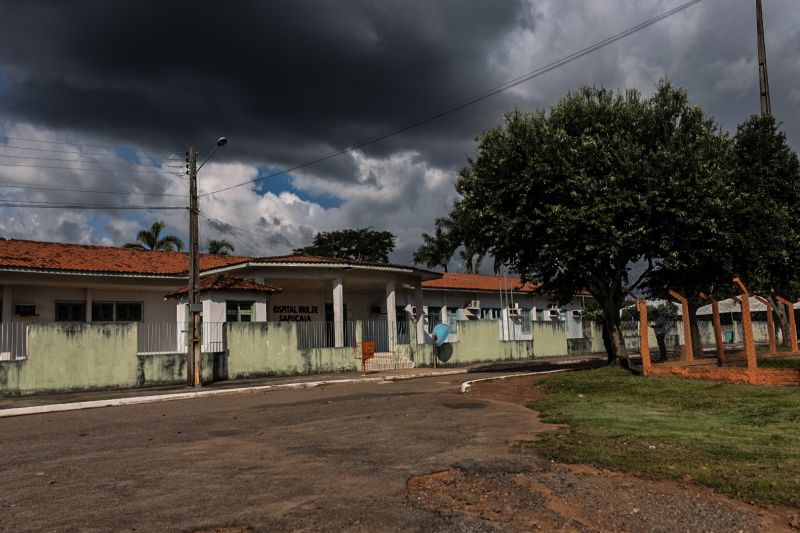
(136,400)
(467,384)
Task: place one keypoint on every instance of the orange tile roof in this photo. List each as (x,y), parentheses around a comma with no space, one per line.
(479,282)
(222,282)
(35,255)
(84,258)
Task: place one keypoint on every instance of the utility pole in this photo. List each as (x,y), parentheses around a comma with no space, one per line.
(194,317)
(763,82)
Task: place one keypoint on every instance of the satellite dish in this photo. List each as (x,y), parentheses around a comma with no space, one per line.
(440,333)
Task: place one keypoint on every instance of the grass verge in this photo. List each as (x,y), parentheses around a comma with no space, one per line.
(738,439)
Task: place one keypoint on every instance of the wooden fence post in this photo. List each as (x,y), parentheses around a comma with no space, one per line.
(792,324)
(770,325)
(687,329)
(644,341)
(747,331)
(717,327)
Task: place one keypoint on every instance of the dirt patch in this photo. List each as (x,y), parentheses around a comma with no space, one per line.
(531,493)
(522,390)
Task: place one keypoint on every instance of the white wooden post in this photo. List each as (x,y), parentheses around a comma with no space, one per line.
(338,312)
(420,317)
(391,314)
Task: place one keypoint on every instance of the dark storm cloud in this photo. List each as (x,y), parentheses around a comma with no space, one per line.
(288,80)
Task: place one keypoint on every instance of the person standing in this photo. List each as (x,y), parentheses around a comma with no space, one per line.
(660,329)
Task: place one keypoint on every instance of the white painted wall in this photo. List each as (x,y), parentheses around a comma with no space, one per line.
(154,307)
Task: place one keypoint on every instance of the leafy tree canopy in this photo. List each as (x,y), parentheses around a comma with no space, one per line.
(151,239)
(576,196)
(364,244)
(220,247)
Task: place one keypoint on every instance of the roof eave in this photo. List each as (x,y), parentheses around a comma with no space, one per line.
(106,273)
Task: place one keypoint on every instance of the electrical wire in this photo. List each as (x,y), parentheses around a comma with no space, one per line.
(269,238)
(154,170)
(105,165)
(106,146)
(14,147)
(25,185)
(47,205)
(474,99)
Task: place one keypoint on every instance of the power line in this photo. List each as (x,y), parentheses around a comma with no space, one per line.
(474,99)
(25,185)
(105,165)
(270,238)
(48,205)
(154,170)
(106,146)
(99,154)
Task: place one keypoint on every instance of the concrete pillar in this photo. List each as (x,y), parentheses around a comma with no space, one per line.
(8,308)
(420,316)
(338,312)
(261,310)
(88,298)
(391,314)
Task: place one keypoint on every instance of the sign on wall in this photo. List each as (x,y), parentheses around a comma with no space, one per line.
(294,313)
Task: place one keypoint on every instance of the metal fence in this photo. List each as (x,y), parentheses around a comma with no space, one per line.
(161,337)
(172,337)
(323,334)
(13,341)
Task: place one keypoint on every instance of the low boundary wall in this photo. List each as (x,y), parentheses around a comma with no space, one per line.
(82,356)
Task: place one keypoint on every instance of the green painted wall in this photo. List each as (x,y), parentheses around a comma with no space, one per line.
(549,339)
(79,356)
(168,369)
(478,342)
(70,356)
(270,349)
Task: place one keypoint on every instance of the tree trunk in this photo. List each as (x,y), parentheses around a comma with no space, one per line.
(781,319)
(615,345)
(694,328)
(607,342)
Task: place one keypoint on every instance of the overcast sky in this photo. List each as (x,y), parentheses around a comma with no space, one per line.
(289,81)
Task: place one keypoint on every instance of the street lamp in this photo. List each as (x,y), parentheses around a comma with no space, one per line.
(194,308)
(222,141)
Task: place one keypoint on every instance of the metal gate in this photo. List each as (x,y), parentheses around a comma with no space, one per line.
(376,331)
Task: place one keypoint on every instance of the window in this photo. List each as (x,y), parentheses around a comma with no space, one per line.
(237,311)
(491,313)
(434,317)
(116,311)
(102,312)
(128,312)
(452,317)
(24,310)
(527,316)
(70,311)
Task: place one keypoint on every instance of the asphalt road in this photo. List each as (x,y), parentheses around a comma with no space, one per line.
(333,458)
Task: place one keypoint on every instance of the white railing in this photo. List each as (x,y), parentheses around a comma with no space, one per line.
(13,341)
(172,337)
(160,338)
(322,334)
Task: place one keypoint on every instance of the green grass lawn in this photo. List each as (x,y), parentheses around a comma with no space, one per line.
(779,362)
(739,439)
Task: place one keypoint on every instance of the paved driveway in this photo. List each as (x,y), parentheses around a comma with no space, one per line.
(332,458)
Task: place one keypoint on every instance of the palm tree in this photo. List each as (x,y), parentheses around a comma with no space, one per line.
(220,247)
(150,239)
(436,249)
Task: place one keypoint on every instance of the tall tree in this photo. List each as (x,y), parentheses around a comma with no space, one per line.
(363,244)
(220,247)
(766,181)
(437,249)
(451,233)
(151,239)
(574,198)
